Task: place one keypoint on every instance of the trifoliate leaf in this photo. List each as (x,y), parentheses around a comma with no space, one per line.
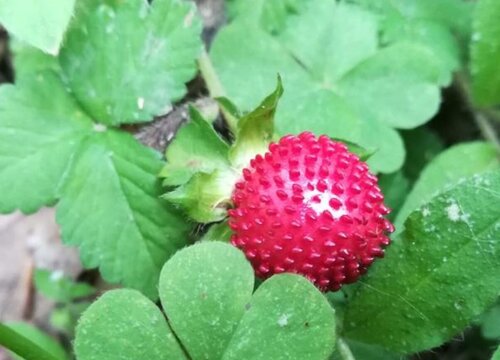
(431,24)
(206,196)
(450,242)
(212,294)
(56,286)
(447,169)
(127,61)
(436,37)
(335,67)
(271,15)
(37,23)
(255,130)
(195,148)
(212,310)
(287,319)
(324,112)
(397,90)
(339,51)
(454,14)
(41,128)
(111,210)
(42,340)
(123,324)
(485,52)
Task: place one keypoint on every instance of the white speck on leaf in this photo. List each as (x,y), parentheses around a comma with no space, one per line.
(110,28)
(140,103)
(426,212)
(100,128)
(453,212)
(56,275)
(283,320)
(188,19)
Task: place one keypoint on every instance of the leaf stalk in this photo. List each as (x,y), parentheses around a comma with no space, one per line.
(22,346)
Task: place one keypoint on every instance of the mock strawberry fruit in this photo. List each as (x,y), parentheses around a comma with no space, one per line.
(311,207)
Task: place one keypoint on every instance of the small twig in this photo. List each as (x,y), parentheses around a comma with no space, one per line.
(487,129)
(29,301)
(344,350)
(215,88)
(481,117)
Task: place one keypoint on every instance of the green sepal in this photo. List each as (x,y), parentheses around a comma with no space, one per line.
(229,107)
(218,232)
(363,153)
(195,148)
(206,196)
(255,130)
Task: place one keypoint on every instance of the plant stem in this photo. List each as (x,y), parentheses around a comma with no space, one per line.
(210,76)
(344,350)
(22,346)
(215,88)
(487,130)
(481,117)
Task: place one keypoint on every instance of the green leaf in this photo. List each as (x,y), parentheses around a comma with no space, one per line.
(255,130)
(432,24)
(436,37)
(451,244)
(446,169)
(325,19)
(362,351)
(397,86)
(490,323)
(218,232)
(204,290)
(41,128)
(30,61)
(123,324)
(39,24)
(195,148)
(111,210)
(496,355)
(44,341)
(127,61)
(206,196)
(56,286)
(454,14)
(287,319)
(321,111)
(363,154)
(327,92)
(485,51)
(65,318)
(271,15)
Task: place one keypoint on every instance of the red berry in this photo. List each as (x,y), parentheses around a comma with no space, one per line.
(309,206)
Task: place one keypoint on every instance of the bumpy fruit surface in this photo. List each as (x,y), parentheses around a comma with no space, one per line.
(309,206)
